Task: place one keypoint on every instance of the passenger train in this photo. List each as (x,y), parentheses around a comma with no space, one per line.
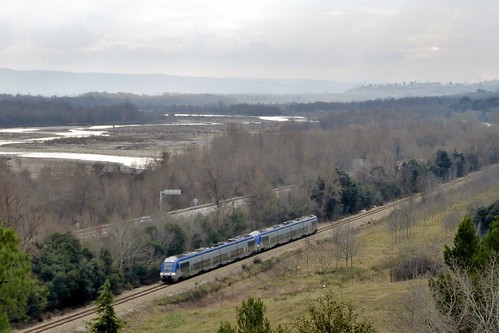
(188,264)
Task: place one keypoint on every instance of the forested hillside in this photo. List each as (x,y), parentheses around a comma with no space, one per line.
(348,158)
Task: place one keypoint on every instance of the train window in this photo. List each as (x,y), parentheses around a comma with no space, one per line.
(251,243)
(206,263)
(168,266)
(184,267)
(196,266)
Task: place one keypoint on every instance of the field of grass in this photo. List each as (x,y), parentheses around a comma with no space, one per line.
(288,283)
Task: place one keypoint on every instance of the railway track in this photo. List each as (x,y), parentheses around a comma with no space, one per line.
(87,313)
(84,313)
(324,227)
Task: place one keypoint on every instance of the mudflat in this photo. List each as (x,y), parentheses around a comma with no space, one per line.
(129,140)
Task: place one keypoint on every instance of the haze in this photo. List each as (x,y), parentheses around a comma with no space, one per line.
(343,41)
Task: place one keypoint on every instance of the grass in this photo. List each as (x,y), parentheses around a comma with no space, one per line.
(287,284)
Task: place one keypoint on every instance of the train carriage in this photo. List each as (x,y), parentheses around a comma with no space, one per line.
(285,232)
(189,264)
(211,258)
(237,248)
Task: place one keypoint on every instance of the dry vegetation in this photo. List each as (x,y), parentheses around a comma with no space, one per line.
(342,161)
(287,283)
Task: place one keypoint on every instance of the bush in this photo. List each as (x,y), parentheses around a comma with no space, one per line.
(414,266)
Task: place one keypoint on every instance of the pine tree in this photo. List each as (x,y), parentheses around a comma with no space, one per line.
(466,243)
(107,320)
(16,281)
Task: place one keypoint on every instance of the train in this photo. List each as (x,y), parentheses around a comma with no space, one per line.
(185,265)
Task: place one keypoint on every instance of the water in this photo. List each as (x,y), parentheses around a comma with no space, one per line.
(44,134)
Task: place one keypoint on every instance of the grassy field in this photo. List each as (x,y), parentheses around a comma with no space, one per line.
(288,283)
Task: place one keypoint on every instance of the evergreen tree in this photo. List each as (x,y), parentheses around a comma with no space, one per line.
(71,272)
(484,216)
(466,244)
(16,283)
(489,246)
(442,164)
(107,320)
(466,296)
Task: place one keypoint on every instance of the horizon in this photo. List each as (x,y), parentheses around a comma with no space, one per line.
(66,83)
(492,79)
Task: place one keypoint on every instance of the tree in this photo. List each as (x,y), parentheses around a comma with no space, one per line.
(442,164)
(71,273)
(459,163)
(167,240)
(131,249)
(464,301)
(328,314)
(346,246)
(413,176)
(466,244)
(111,271)
(326,193)
(250,319)
(484,216)
(262,201)
(354,196)
(466,298)
(16,283)
(489,246)
(214,184)
(107,320)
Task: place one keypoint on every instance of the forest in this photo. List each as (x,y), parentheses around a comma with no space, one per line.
(353,156)
(121,108)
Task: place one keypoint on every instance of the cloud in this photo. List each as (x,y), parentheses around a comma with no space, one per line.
(322,39)
(73,36)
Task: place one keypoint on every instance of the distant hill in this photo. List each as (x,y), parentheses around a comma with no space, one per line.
(418,89)
(55,83)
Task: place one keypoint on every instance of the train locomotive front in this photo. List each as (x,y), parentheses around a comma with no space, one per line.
(168,270)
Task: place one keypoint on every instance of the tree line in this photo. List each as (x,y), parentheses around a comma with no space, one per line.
(92,108)
(22,111)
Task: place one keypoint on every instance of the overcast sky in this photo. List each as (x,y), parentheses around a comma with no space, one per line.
(338,40)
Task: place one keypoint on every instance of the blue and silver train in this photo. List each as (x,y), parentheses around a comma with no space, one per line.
(188,264)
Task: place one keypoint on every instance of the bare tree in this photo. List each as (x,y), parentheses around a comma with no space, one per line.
(262,201)
(452,220)
(463,303)
(129,244)
(345,244)
(13,199)
(400,224)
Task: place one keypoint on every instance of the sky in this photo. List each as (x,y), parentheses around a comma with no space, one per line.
(363,41)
